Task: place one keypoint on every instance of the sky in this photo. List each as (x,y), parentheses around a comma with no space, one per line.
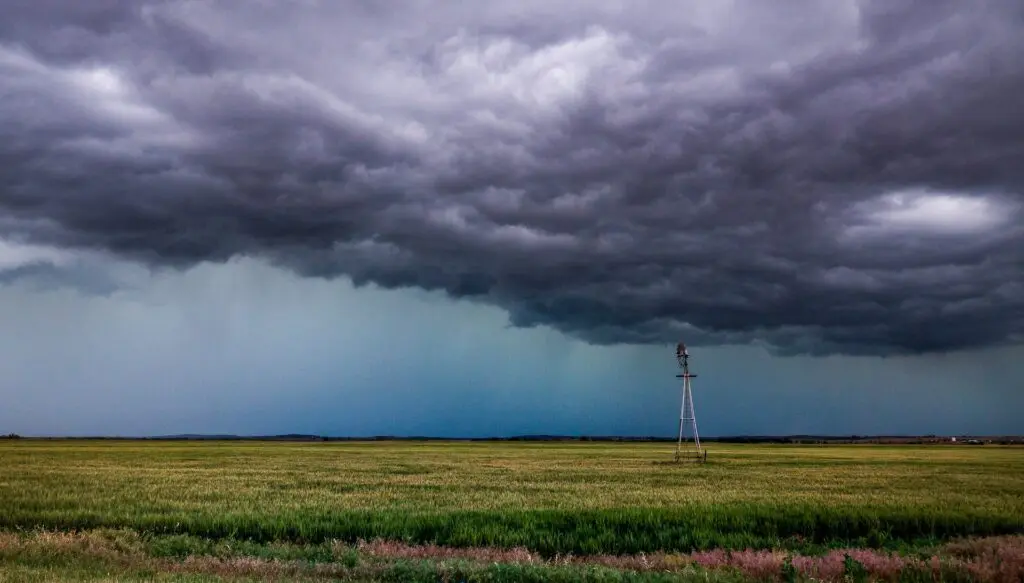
(472,219)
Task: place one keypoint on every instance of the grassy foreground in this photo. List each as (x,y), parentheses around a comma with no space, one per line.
(551,498)
(128,556)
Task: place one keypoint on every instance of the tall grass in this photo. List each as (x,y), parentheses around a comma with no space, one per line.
(551,532)
(550,498)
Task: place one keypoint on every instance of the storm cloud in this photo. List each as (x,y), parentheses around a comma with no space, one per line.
(815,176)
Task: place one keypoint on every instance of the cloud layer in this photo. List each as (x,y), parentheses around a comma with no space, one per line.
(835,177)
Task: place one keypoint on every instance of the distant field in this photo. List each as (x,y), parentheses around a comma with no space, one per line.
(580,498)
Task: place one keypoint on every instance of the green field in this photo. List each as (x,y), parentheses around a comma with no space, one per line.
(548,498)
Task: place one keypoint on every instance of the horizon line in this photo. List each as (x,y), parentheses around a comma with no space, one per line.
(518,437)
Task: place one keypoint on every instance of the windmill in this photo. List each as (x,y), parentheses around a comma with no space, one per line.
(687,450)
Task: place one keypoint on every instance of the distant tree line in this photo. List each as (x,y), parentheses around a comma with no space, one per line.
(764,439)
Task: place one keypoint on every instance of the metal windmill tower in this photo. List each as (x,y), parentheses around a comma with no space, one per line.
(687,450)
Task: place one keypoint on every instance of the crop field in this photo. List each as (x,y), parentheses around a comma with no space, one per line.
(505,511)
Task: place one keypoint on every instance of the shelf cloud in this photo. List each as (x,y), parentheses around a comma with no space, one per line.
(835,177)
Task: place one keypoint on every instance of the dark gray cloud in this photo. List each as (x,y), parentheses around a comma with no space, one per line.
(43,275)
(831,177)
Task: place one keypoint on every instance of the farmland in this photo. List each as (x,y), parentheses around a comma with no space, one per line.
(548,500)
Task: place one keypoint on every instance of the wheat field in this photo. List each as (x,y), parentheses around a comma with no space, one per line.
(108,510)
(552,497)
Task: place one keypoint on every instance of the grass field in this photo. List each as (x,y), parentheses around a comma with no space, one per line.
(584,499)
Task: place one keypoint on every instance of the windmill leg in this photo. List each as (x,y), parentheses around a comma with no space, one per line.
(682,424)
(693,418)
(679,443)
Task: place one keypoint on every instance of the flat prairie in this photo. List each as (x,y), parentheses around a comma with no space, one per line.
(549,500)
